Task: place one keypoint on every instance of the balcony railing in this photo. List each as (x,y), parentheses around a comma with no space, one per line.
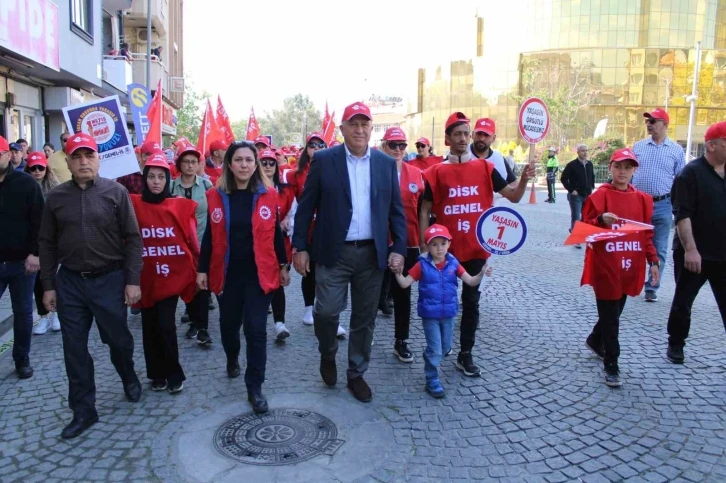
(158,72)
(117,71)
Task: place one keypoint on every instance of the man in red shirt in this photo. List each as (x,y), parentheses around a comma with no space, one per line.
(458,191)
(213,165)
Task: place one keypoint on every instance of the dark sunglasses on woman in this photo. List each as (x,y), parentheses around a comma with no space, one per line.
(37,167)
(268,163)
(316,145)
(394,145)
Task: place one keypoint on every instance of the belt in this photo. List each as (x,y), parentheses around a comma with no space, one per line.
(359,243)
(661,198)
(98,273)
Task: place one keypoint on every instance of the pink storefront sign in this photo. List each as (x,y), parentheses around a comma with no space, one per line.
(29,28)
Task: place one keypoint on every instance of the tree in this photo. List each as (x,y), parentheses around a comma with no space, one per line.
(189,117)
(287,125)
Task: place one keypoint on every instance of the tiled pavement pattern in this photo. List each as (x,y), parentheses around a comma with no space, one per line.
(540,412)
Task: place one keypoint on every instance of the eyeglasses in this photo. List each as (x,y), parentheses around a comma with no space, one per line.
(394,145)
(420,146)
(64,140)
(268,163)
(316,145)
(189,161)
(652,121)
(37,167)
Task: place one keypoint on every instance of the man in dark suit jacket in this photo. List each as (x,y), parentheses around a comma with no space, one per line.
(353,192)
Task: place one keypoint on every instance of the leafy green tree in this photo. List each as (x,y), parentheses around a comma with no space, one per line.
(288,125)
(602,148)
(189,117)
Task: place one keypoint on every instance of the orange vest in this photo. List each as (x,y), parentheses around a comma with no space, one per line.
(171,250)
(412,188)
(462,192)
(264,220)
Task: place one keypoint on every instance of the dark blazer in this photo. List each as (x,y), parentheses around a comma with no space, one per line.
(579,177)
(327,194)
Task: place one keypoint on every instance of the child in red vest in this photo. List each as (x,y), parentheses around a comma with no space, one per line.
(437,273)
(615,267)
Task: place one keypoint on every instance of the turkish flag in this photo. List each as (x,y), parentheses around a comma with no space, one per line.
(329,131)
(209,131)
(153,114)
(253,129)
(586,233)
(224,124)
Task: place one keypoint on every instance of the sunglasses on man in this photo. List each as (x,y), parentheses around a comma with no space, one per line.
(394,145)
(652,121)
(37,167)
(316,145)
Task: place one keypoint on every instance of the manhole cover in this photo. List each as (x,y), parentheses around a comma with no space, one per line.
(280,437)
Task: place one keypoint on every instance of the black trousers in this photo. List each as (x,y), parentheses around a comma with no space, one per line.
(402,297)
(607,329)
(688,284)
(470,306)
(278,305)
(198,310)
(38,295)
(158,327)
(551,188)
(307,284)
(80,302)
(243,305)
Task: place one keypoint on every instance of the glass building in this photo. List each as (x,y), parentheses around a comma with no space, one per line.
(600,63)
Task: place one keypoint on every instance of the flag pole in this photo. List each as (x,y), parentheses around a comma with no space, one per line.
(693,98)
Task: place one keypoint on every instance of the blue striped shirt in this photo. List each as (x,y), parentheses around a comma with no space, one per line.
(658,165)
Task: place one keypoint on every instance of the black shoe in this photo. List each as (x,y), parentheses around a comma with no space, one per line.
(400,348)
(465,363)
(448,352)
(258,401)
(675,354)
(329,371)
(192,332)
(158,385)
(176,387)
(596,349)
(384,308)
(389,301)
(233,371)
(133,391)
(612,378)
(78,426)
(185,318)
(650,296)
(211,304)
(203,338)
(360,389)
(23,369)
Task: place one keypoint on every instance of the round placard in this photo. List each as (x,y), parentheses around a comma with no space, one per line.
(534,120)
(501,230)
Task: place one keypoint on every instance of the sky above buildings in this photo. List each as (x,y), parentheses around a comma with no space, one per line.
(256,53)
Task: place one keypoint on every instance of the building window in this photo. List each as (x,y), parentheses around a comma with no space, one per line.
(81,19)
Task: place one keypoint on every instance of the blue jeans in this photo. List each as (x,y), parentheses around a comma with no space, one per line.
(662,220)
(12,274)
(439,335)
(576,202)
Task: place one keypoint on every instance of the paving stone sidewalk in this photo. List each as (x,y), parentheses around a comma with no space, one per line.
(540,411)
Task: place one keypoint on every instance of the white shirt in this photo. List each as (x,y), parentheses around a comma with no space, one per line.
(359,176)
(498,161)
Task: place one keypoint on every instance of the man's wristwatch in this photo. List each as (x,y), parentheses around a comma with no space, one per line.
(285,266)
(657,264)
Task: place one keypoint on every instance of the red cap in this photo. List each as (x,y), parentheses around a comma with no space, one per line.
(261,140)
(486,125)
(437,230)
(183,147)
(217,145)
(36,158)
(267,154)
(424,141)
(157,160)
(150,147)
(4,145)
(356,109)
(658,114)
(716,131)
(335,143)
(315,135)
(624,154)
(456,118)
(81,140)
(394,134)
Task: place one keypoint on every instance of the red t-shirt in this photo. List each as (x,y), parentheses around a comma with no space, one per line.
(415,271)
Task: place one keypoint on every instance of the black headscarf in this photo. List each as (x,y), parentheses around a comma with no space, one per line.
(148,196)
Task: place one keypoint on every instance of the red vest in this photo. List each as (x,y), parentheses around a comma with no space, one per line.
(412,188)
(213,172)
(615,267)
(462,192)
(424,163)
(264,219)
(297,183)
(171,249)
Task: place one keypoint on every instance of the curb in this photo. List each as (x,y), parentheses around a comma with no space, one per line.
(5,327)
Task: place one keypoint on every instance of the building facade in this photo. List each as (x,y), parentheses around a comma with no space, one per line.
(599,63)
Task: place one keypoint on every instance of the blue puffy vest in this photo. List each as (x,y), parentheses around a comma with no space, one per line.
(437,298)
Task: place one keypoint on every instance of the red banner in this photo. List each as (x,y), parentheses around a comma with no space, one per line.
(209,131)
(154,114)
(586,233)
(224,124)
(253,129)
(329,131)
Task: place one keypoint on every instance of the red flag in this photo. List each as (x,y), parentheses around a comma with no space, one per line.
(586,233)
(224,124)
(326,118)
(329,131)
(253,129)
(153,114)
(209,131)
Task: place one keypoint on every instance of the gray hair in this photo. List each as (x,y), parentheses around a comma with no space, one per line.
(580,146)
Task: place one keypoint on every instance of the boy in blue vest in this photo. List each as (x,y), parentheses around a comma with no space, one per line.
(437,273)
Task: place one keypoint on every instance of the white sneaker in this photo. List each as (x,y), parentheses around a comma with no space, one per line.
(54,321)
(341,332)
(281,332)
(42,326)
(308,316)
